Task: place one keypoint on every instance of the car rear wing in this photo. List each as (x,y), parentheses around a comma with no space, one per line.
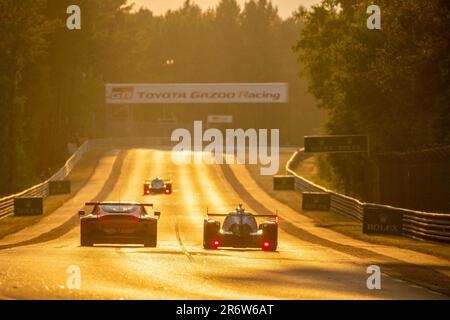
(216,214)
(273,216)
(166,181)
(119,204)
(255,215)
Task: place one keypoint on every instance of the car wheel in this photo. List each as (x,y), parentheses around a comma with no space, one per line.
(210,233)
(86,241)
(151,235)
(208,245)
(272,247)
(270,235)
(150,242)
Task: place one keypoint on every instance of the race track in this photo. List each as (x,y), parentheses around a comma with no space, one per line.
(311,262)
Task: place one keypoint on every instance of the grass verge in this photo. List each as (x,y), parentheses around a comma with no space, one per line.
(79,176)
(337,222)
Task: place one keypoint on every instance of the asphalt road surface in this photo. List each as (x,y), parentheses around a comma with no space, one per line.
(34,262)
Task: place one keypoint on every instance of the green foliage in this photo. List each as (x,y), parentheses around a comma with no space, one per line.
(52,79)
(22,34)
(392,84)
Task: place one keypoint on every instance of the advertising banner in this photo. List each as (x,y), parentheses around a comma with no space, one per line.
(284,183)
(220,118)
(316,201)
(378,220)
(195,93)
(28,206)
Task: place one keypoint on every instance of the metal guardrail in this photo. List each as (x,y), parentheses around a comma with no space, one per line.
(416,224)
(41,190)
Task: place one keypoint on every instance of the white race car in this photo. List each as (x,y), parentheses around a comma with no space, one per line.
(158,186)
(240,230)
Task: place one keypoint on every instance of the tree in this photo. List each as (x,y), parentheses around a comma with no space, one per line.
(392,84)
(52,79)
(22,30)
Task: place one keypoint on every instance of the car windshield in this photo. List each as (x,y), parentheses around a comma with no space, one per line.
(157,183)
(247,219)
(120,208)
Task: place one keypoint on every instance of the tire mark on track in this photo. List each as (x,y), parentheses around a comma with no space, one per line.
(183,179)
(421,275)
(73,221)
(183,248)
(160,158)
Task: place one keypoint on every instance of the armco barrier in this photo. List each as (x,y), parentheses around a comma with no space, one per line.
(416,224)
(41,190)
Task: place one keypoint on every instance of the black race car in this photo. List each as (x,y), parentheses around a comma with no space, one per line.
(118,222)
(240,230)
(157,186)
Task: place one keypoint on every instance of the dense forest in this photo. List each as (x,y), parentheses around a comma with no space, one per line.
(52,79)
(392,84)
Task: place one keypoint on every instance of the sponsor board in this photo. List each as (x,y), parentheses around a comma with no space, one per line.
(28,206)
(220,119)
(197,93)
(347,143)
(316,201)
(59,187)
(382,221)
(283,183)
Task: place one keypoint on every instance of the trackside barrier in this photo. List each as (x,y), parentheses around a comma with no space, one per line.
(416,224)
(42,189)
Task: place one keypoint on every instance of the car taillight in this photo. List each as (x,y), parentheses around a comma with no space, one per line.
(266,244)
(101,218)
(167,191)
(216,243)
(136,218)
(277,219)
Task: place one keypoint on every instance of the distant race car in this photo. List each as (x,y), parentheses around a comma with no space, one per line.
(240,230)
(119,222)
(157,186)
